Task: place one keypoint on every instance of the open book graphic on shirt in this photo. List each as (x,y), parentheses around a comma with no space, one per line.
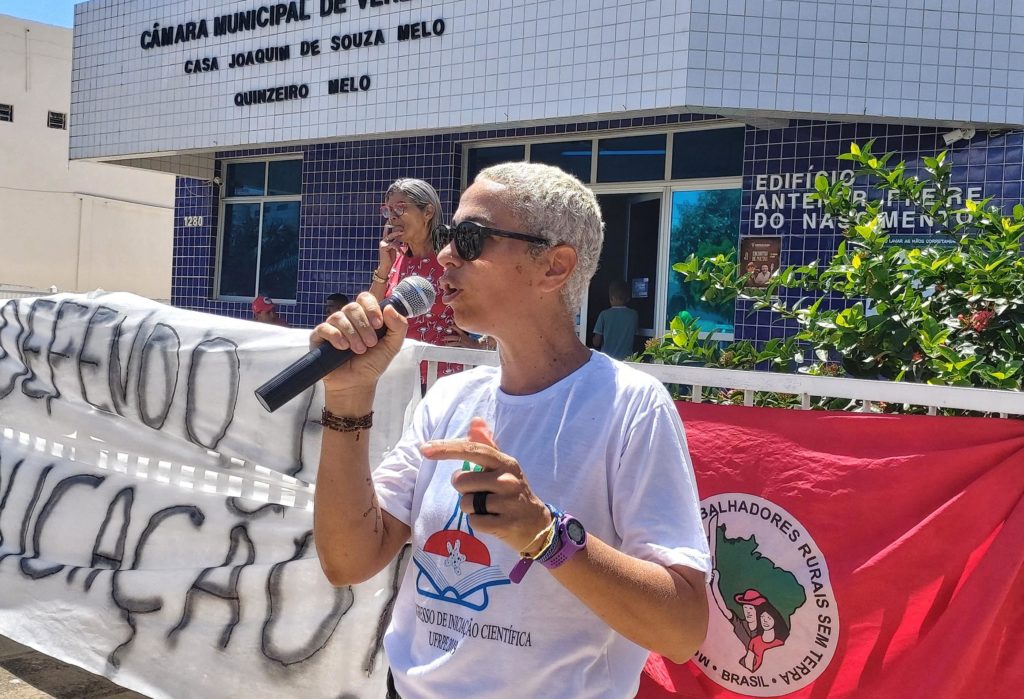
(455,566)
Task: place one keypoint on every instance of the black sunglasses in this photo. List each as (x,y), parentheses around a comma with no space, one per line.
(469,238)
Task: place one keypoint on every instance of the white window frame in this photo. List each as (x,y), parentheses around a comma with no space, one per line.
(663,187)
(225,200)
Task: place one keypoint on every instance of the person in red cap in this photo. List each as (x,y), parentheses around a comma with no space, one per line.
(264,310)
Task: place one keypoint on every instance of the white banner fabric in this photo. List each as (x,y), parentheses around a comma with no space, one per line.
(156,521)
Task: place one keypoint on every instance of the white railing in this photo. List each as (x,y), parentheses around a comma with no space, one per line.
(866,393)
(13,291)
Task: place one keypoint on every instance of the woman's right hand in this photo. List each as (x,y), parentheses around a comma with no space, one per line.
(387,250)
(355,328)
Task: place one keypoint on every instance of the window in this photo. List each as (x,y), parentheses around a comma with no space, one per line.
(6,112)
(705,222)
(707,153)
(631,158)
(57,120)
(658,208)
(481,158)
(572,156)
(259,236)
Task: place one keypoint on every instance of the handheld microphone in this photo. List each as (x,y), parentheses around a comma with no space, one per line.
(412,296)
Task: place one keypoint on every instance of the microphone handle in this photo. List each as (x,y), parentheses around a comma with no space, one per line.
(316,364)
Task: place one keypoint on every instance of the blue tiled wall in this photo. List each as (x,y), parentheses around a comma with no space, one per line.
(342,187)
(342,184)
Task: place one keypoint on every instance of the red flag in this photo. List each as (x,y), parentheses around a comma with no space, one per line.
(856,555)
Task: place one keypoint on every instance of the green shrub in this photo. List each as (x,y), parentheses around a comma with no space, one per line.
(951,314)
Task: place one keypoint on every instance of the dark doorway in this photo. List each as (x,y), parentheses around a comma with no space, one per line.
(630,253)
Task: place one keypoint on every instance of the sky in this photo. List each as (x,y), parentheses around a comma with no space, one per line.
(59,12)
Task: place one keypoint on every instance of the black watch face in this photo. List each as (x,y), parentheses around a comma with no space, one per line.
(575,531)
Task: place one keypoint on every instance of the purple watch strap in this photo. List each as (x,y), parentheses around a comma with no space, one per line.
(567,548)
(519,569)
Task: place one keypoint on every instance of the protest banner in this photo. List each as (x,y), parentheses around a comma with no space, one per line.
(156,522)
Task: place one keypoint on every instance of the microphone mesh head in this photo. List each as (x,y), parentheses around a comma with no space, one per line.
(416,294)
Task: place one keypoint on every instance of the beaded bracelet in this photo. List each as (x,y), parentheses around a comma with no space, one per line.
(379,279)
(346,424)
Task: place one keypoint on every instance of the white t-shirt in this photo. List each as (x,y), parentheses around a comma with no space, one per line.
(604,444)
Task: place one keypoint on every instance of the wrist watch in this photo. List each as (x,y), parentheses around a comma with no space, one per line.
(569,539)
(572,538)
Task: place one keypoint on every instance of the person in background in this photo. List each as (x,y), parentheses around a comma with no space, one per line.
(549,502)
(412,211)
(458,337)
(333,304)
(615,330)
(264,310)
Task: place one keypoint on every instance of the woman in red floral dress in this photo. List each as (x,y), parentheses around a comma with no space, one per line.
(413,209)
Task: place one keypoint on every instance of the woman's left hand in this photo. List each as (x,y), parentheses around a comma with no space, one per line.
(515,513)
(457,337)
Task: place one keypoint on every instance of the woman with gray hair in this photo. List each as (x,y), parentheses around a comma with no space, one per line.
(412,210)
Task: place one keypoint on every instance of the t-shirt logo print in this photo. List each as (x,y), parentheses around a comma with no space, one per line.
(455,566)
(455,557)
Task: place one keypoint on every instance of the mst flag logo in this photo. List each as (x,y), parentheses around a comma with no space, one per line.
(774,623)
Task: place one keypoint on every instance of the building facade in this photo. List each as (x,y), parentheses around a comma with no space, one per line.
(700,126)
(76,225)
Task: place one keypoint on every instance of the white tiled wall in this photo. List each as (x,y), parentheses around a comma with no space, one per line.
(503,61)
(946,60)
